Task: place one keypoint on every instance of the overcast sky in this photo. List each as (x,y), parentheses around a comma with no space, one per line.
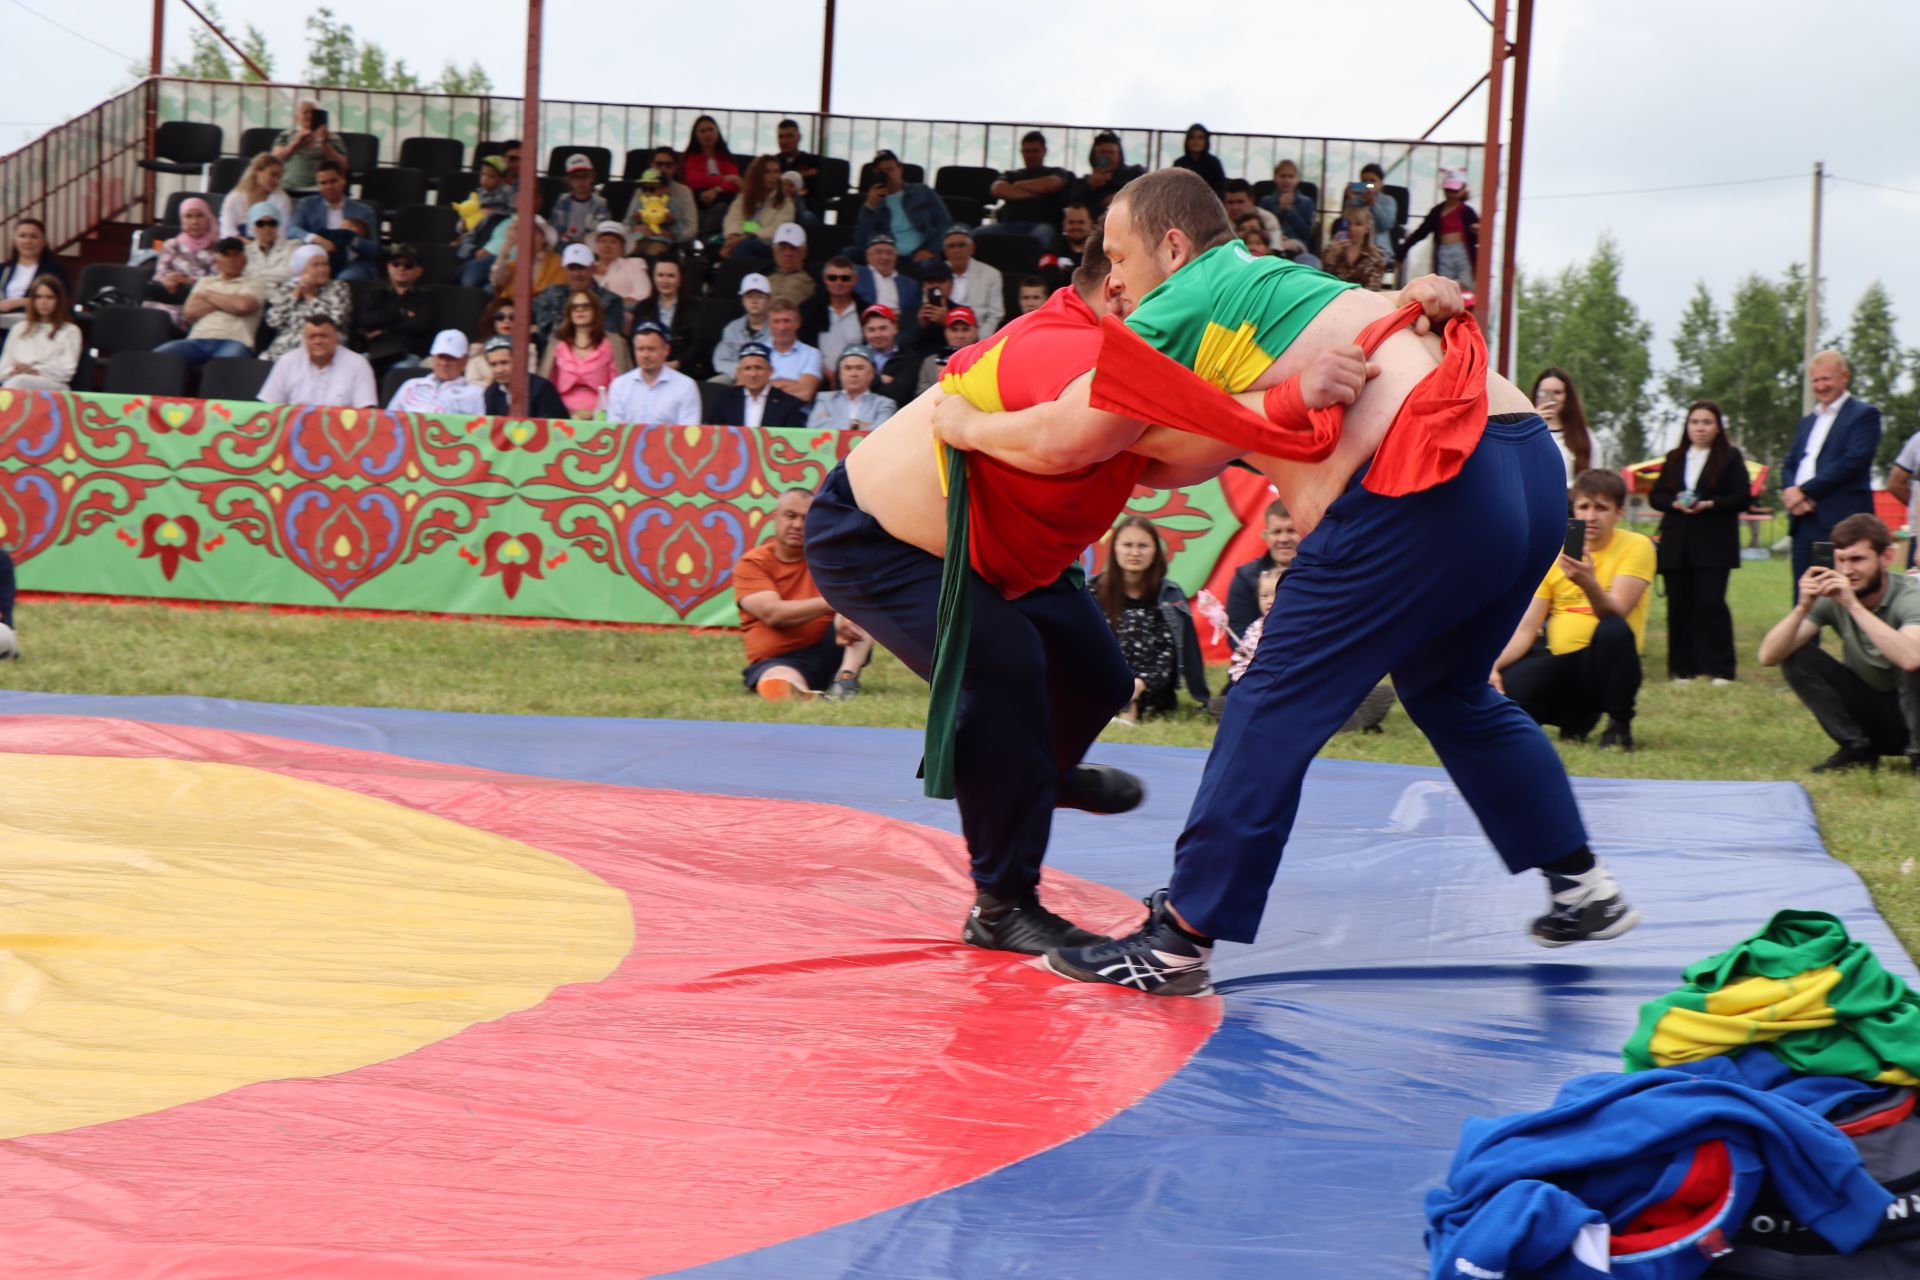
(1626,95)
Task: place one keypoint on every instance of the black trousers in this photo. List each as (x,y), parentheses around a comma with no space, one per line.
(6,588)
(1699,624)
(1853,712)
(1044,676)
(1573,690)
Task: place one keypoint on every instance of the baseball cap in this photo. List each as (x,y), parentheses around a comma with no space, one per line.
(577,162)
(882,237)
(882,310)
(496,163)
(791,233)
(862,350)
(754,282)
(962,315)
(652,178)
(651,326)
(884,154)
(1453,181)
(760,349)
(576,255)
(402,253)
(958,229)
(263,212)
(499,342)
(450,342)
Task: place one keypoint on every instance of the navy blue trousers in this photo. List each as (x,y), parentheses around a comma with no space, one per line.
(1427,588)
(6,588)
(1044,676)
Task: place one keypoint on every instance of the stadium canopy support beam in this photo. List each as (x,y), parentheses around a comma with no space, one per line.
(157,66)
(526,211)
(1510,232)
(1490,171)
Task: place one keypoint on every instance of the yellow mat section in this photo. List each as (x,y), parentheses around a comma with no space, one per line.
(170,931)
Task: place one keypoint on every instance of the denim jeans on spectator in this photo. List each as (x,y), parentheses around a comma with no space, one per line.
(6,588)
(477,273)
(200,350)
(1453,263)
(1041,231)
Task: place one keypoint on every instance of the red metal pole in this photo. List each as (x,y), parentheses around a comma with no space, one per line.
(1516,139)
(826,68)
(526,209)
(1490,178)
(153,102)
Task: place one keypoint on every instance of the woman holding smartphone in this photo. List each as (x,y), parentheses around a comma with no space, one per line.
(1702,490)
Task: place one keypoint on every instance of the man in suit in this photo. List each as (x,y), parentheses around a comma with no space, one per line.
(1828,474)
(881,281)
(750,402)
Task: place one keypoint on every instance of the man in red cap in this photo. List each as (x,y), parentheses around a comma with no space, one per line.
(880,326)
(963,330)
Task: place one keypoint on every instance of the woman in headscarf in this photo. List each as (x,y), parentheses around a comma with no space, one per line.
(184,259)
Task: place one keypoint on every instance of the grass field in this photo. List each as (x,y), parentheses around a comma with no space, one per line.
(1752,730)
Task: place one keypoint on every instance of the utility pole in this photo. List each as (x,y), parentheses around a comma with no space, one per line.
(1813,292)
(525,215)
(1490,174)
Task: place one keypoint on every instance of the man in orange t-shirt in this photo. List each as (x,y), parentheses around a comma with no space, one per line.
(795,643)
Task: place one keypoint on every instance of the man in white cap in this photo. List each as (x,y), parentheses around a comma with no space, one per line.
(550,304)
(790,278)
(320,371)
(756,294)
(446,389)
(650,392)
(579,209)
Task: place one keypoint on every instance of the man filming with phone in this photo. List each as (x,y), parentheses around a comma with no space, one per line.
(1593,604)
(911,212)
(1868,699)
(303,147)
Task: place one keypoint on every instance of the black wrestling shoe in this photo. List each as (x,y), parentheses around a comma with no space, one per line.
(1158,958)
(1617,736)
(1024,927)
(1584,908)
(1098,788)
(1850,758)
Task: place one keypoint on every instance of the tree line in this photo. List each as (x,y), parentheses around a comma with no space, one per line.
(335,56)
(1746,355)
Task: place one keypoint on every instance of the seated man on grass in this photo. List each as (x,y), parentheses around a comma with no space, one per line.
(1595,612)
(796,645)
(1868,699)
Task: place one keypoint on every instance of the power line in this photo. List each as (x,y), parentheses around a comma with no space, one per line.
(125,57)
(1687,186)
(1878,186)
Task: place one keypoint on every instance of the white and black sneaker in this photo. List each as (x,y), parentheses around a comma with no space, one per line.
(1583,908)
(1022,926)
(1159,958)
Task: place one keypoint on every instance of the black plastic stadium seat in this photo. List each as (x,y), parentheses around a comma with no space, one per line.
(422,224)
(970,181)
(132,328)
(1012,256)
(461,307)
(639,161)
(147,373)
(362,152)
(435,157)
(226,174)
(129,282)
(439,263)
(965,210)
(389,188)
(185,148)
(260,138)
(234,378)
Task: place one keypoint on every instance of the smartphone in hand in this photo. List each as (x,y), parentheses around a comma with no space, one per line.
(1576,543)
(1823,555)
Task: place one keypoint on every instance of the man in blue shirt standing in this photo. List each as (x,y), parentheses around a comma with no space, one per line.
(912,212)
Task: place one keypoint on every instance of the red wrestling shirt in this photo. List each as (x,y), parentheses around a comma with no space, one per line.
(1026,528)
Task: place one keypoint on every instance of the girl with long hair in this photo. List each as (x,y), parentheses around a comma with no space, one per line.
(1702,489)
(1151,620)
(1558,401)
(582,361)
(43,350)
(763,204)
(259,184)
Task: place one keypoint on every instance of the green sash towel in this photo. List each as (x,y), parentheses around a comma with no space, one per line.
(952,630)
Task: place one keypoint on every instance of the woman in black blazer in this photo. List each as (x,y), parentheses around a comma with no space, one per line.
(1702,489)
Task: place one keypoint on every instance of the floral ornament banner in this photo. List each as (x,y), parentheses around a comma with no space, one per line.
(322,507)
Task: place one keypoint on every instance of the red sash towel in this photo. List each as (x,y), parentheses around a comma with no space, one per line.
(1431,437)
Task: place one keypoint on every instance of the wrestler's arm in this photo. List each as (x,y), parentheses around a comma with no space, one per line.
(1439,297)
(1048,439)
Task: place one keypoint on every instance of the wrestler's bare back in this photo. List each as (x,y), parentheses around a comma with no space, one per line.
(896,479)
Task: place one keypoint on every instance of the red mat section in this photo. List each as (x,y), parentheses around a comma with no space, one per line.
(795,1041)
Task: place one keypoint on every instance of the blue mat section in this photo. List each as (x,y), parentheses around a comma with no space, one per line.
(1392,993)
